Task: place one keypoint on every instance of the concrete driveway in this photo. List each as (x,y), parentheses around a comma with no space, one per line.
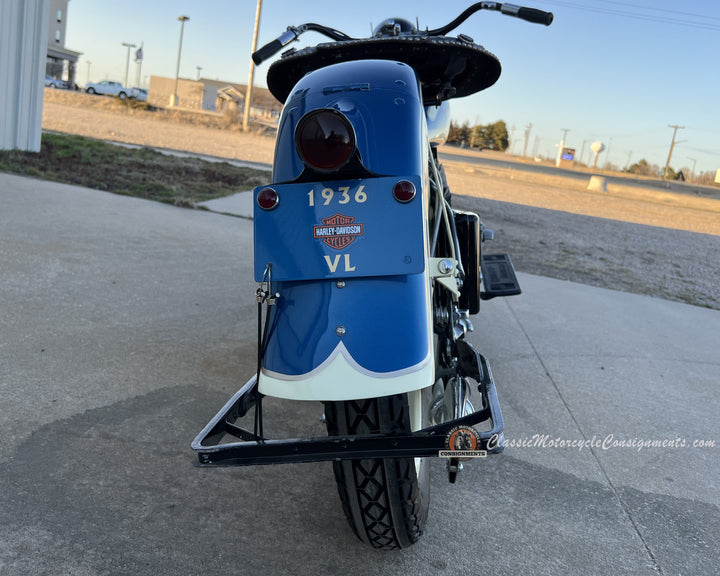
(125,325)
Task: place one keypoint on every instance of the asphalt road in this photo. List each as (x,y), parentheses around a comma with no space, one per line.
(127,324)
(511,164)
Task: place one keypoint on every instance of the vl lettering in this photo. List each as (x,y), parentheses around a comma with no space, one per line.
(335,261)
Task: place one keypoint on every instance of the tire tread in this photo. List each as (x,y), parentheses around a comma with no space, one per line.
(381,498)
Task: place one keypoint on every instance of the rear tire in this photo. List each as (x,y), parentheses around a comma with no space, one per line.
(385,501)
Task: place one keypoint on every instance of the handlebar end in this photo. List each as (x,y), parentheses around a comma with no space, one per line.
(535,16)
(267,51)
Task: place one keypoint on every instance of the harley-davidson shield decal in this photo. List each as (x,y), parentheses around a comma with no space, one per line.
(338,231)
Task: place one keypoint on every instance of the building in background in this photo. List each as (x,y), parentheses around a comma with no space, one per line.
(214,96)
(61,63)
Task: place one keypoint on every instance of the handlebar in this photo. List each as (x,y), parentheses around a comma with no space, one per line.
(292,33)
(528,14)
(272,48)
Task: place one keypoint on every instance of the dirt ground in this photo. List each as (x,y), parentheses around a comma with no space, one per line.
(632,239)
(109,119)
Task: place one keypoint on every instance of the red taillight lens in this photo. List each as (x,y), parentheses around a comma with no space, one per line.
(404,191)
(325,140)
(267,199)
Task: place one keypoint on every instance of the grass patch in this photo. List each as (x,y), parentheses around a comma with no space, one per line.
(142,172)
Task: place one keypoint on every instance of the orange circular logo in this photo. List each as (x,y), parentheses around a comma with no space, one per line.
(462,438)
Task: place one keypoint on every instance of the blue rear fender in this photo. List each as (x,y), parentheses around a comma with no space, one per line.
(381,322)
(368,328)
(381,99)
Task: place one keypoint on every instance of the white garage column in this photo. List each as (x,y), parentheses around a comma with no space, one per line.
(23,45)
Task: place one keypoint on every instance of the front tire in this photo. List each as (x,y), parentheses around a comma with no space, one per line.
(385,500)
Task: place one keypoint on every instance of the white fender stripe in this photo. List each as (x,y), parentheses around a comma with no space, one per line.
(340,377)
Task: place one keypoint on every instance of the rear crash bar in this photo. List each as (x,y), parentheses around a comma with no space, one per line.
(248,449)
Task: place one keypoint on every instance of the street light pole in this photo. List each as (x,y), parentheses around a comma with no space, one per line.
(127,61)
(174,97)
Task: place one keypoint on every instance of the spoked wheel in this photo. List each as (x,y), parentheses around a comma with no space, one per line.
(385,500)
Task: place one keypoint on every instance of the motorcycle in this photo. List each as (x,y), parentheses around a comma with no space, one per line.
(367,276)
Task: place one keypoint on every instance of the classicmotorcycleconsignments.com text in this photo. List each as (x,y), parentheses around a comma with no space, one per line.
(608,442)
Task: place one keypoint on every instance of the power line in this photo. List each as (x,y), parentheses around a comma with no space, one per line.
(654,9)
(638,16)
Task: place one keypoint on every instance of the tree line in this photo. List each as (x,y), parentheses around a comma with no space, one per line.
(644,168)
(495,136)
(483,136)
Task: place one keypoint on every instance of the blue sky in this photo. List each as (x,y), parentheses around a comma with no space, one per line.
(619,72)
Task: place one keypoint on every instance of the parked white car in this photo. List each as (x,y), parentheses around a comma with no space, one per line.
(139,94)
(109,88)
(51,82)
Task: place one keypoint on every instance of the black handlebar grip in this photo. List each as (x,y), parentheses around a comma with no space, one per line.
(267,51)
(535,16)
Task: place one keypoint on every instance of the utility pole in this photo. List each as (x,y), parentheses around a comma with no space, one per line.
(174,97)
(536,146)
(248,92)
(510,139)
(527,137)
(675,128)
(627,164)
(582,151)
(562,145)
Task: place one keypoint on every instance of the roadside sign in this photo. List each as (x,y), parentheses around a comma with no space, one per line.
(568,154)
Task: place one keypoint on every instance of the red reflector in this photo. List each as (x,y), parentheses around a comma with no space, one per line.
(404,191)
(325,139)
(267,199)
